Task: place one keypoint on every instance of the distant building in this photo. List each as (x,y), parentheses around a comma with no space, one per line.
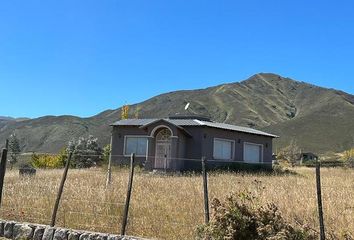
(308,156)
(178,143)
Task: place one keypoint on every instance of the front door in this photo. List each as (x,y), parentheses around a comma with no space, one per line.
(162,155)
(163,149)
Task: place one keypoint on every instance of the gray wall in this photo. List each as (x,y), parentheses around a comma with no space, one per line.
(239,138)
(186,147)
(118,134)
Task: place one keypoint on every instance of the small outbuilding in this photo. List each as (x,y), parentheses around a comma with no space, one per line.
(178,143)
(308,156)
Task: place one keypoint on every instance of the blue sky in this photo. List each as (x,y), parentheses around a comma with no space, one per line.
(82,57)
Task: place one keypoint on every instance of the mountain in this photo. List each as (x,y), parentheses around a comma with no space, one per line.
(319,119)
(3,118)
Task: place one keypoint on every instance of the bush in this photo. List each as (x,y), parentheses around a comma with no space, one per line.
(106,153)
(239,217)
(49,161)
(291,154)
(86,152)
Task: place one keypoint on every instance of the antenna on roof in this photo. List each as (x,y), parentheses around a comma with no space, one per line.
(187,106)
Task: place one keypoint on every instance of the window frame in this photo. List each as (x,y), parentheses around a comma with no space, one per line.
(135,136)
(233,148)
(255,144)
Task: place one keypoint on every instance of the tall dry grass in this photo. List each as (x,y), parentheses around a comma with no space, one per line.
(170,207)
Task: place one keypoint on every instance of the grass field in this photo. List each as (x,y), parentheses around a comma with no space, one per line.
(170,207)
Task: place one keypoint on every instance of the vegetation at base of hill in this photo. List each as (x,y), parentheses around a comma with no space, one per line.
(240,217)
(85,153)
(290,154)
(48,160)
(348,157)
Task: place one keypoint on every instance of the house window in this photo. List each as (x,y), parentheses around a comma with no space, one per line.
(137,145)
(223,149)
(252,152)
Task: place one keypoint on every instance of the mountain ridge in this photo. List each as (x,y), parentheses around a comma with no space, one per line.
(318,118)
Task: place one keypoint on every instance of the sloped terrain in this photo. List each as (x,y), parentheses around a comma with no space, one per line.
(319,119)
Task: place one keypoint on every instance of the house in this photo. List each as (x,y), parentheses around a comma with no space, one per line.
(178,143)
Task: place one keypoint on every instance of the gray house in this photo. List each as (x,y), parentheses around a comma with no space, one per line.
(178,143)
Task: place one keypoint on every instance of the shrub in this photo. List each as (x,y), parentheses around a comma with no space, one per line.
(49,161)
(291,154)
(239,217)
(86,152)
(348,157)
(106,153)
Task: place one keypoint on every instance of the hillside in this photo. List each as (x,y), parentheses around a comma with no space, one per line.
(319,119)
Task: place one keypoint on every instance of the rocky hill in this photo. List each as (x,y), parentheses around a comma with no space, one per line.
(319,119)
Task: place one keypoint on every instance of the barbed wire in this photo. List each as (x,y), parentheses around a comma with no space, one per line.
(75,200)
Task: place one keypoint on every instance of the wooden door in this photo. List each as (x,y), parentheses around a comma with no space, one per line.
(162,155)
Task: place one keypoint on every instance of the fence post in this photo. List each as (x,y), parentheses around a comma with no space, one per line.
(109,173)
(60,191)
(205,188)
(3,169)
(319,200)
(129,191)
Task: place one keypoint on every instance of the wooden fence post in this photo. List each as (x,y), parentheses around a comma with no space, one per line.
(3,169)
(109,173)
(60,191)
(129,191)
(319,200)
(205,188)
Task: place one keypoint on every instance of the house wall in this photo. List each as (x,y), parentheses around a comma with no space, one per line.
(239,138)
(118,134)
(178,143)
(202,145)
(184,147)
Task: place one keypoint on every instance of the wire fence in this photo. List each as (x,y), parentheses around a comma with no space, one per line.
(89,204)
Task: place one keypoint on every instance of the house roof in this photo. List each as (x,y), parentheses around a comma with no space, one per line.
(164,120)
(192,122)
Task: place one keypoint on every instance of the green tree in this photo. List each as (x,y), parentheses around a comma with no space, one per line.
(14,149)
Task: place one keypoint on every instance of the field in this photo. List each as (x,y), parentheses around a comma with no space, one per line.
(169,207)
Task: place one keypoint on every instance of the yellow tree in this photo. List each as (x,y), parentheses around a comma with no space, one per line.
(125,112)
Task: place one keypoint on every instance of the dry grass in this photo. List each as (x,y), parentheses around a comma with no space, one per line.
(169,207)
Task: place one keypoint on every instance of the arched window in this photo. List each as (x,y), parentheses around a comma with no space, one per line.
(163,135)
